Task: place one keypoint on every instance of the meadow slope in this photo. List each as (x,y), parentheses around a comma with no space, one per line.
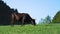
(30,29)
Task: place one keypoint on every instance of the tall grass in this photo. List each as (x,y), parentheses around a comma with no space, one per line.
(30,29)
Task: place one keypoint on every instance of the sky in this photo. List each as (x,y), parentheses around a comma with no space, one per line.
(37,9)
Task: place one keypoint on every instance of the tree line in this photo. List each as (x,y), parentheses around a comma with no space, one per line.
(5,13)
(48,20)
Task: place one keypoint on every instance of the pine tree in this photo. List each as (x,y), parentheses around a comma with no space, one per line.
(5,13)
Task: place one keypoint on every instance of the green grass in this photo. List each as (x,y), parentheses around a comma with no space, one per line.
(30,29)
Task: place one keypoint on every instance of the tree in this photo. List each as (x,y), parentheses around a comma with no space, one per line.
(5,13)
(48,19)
(41,21)
(56,18)
(16,11)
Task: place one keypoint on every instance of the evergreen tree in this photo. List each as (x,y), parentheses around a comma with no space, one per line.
(5,13)
(56,18)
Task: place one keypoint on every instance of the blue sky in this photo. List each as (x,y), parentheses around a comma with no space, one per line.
(37,9)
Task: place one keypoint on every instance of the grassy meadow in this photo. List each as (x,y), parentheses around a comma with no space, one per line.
(30,29)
